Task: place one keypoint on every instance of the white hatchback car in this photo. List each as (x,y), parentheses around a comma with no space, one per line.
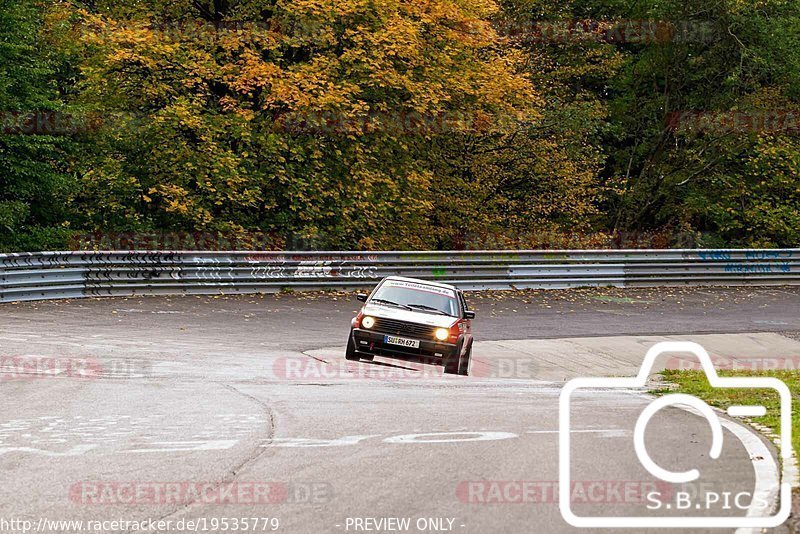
(411,317)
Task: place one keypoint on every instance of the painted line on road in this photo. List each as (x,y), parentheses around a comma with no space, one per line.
(603,432)
(186,446)
(450,437)
(77,450)
(431,437)
(767,472)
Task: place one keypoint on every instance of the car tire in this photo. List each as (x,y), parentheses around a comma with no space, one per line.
(465,362)
(450,362)
(350,353)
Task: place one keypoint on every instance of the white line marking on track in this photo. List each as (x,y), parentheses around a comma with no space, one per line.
(450,437)
(186,446)
(312,442)
(605,433)
(767,473)
(77,450)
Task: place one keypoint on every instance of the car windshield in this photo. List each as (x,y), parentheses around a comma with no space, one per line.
(418,297)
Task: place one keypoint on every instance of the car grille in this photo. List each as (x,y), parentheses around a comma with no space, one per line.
(403,328)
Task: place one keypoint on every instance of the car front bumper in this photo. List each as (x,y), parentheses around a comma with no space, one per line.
(370,342)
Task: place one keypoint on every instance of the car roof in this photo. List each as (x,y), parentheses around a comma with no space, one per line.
(419,281)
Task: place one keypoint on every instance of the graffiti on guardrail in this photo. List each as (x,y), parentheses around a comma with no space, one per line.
(747,259)
(315,269)
(768,254)
(278,268)
(138,274)
(714,255)
(31,260)
(143,266)
(744,262)
(342,270)
(747,268)
(57,260)
(300,256)
(749,255)
(59,275)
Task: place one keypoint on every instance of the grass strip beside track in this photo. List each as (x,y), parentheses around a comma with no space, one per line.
(695,383)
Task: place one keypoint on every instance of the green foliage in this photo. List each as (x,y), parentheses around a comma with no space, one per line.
(34,185)
(739,183)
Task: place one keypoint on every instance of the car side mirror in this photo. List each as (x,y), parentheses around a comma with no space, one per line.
(362,297)
(469,314)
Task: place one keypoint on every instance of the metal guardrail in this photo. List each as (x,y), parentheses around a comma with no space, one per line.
(61,275)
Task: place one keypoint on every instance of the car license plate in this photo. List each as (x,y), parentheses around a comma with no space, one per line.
(403,342)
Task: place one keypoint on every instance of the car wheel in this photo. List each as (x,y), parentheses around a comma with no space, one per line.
(450,361)
(350,353)
(451,364)
(465,363)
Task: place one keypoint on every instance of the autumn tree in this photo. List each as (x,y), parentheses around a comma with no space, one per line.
(302,117)
(539,176)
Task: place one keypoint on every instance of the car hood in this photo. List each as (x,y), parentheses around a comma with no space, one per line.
(390,312)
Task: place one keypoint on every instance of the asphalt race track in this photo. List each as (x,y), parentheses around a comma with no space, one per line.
(195,410)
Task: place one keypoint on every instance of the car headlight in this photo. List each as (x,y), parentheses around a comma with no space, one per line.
(442,334)
(368,322)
